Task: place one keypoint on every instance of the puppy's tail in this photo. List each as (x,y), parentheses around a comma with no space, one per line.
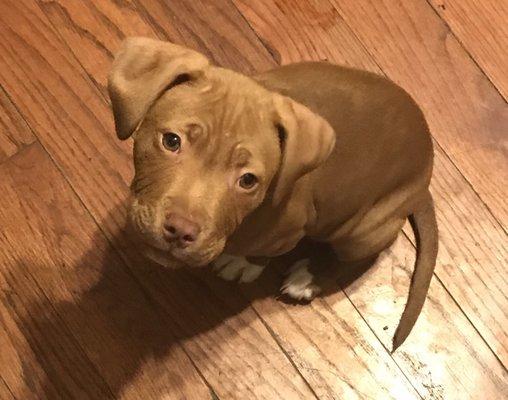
(423,222)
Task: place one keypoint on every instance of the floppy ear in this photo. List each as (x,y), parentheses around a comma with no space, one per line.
(142,71)
(307,140)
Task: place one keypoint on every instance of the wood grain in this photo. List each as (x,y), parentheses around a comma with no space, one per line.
(95,167)
(466,115)
(336,352)
(94,29)
(216,28)
(5,392)
(482,28)
(85,319)
(14,133)
(17,360)
(77,22)
(442,339)
(473,256)
(327,343)
(304,31)
(473,137)
(444,356)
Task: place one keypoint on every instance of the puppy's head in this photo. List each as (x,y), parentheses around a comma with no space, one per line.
(209,146)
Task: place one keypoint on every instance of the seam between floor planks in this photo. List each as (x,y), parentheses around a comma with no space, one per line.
(457,169)
(492,75)
(6,386)
(454,61)
(8,107)
(494,86)
(284,351)
(390,353)
(62,321)
(466,49)
(69,332)
(470,184)
(265,323)
(436,140)
(465,315)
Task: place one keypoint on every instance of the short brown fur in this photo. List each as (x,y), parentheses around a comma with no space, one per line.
(342,156)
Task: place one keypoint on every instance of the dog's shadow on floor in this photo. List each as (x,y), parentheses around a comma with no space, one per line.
(133,311)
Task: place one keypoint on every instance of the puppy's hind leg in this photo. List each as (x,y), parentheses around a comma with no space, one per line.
(362,245)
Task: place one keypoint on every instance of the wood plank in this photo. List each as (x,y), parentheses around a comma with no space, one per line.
(216,28)
(96,168)
(77,21)
(466,115)
(462,216)
(473,256)
(85,319)
(444,357)
(482,28)
(442,339)
(385,377)
(327,344)
(335,351)
(304,31)
(5,392)
(19,366)
(14,132)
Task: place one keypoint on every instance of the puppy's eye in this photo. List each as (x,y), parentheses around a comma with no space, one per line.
(171,141)
(248,181)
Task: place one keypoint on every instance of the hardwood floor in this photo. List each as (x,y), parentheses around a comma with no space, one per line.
(84,316)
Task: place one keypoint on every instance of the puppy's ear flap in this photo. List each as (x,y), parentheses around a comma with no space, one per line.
(307,140)
(143,69)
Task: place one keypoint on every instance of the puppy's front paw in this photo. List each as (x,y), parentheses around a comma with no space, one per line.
(231,268)
(299,284)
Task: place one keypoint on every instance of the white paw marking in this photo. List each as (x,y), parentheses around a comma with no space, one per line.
(232,268)
(298,285)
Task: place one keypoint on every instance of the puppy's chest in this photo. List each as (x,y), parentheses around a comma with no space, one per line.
(269,232)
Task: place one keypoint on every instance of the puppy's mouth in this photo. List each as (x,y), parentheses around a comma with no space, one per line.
(164,246)
(171,255)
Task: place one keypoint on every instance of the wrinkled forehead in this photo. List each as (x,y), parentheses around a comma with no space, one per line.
(221,99)
(227,117)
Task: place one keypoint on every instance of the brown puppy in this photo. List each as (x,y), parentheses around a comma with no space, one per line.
(229,166)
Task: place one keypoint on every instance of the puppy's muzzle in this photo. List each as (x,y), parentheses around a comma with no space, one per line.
(180,230)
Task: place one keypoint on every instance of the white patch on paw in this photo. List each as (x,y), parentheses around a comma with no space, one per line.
(232,268)
(298,285)
(251,273)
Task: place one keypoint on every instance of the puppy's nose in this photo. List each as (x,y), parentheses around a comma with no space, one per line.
(180,229)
